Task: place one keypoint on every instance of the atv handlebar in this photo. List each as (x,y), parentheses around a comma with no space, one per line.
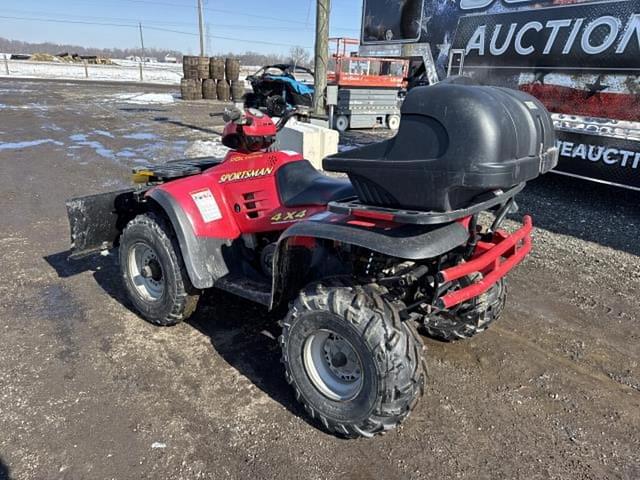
(237,116)
(285,118)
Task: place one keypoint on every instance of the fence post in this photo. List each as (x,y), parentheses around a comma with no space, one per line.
(86,69)
(141,77)
(6,64)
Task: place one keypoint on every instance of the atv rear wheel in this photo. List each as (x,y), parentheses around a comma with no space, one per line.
(153,271)
(470,318)
(354,365)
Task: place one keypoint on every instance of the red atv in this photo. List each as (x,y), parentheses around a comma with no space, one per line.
(359,262)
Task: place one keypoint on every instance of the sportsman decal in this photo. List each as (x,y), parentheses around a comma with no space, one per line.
(246,174)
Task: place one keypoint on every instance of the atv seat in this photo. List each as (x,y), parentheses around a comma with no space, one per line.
(299,185)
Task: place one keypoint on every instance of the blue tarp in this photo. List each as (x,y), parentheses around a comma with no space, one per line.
(297,87)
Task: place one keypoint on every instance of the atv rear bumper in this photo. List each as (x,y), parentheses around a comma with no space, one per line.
(493,259)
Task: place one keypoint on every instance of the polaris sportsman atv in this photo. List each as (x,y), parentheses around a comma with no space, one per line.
(361,262)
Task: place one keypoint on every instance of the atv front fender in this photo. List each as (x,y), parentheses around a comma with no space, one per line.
(409,242)
(202,256)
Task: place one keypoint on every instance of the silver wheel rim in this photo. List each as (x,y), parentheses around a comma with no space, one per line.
(342,123)
(394,122)
(145,272)
(333,365)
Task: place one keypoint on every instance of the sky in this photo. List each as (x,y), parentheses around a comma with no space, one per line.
(264,26)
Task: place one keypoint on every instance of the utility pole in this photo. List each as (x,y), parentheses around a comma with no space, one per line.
(143,55)
(201,26)
(323,8)
(141,40)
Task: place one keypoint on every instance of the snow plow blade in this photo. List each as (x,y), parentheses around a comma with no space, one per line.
(96,221)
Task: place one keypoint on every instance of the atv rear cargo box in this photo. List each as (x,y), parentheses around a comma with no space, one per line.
(455,143)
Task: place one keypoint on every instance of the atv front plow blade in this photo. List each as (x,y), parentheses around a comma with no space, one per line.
(493,259)
(95,221)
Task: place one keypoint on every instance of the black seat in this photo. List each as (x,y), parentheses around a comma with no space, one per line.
(299,185)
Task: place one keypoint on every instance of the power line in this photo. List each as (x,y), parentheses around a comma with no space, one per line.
(208,9)
(163,23)
(179,32)
(262,42)
(80,22)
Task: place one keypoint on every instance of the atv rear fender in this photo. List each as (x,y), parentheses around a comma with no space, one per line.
(409,242)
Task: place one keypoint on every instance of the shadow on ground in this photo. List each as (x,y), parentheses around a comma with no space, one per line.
(609,216)
(186,125)
(243,333)
(143,109)
(5,473)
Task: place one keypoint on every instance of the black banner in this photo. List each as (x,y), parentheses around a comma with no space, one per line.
(608,159)
(594,36)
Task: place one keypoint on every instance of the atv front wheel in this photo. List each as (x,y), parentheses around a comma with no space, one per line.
(469,318)
(354,365)
(153,271)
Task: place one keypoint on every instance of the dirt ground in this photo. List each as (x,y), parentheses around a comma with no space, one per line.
(89,390)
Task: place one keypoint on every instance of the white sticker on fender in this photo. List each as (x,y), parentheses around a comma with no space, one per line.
(207,205)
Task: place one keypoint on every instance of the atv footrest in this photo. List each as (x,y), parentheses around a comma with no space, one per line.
(254,290)
(357,209)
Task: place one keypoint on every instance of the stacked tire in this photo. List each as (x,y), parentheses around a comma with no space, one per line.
(213,78)
(232,69)
(237,90)
(216,68)
(224,91)
(190,67)
(209,89)
(191,89)
(195,68)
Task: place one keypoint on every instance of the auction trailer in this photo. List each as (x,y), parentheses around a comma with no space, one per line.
(580,58)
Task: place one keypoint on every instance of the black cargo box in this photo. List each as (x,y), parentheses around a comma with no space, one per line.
(455,143)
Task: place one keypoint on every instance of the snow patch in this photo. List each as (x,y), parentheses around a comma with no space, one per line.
(141,136)
(103,133)
(27,144)
(206,148)
(126,154)
(143,98)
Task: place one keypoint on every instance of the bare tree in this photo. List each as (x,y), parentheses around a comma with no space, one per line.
(300,56)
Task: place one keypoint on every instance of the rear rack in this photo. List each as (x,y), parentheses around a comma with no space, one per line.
(416,217)
(176,168)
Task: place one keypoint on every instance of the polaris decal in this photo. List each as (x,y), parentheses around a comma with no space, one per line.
(246,174)
(596,36)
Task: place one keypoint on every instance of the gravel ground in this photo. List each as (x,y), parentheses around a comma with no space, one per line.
(88,390)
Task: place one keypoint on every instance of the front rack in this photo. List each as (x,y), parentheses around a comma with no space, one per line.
(494,259)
